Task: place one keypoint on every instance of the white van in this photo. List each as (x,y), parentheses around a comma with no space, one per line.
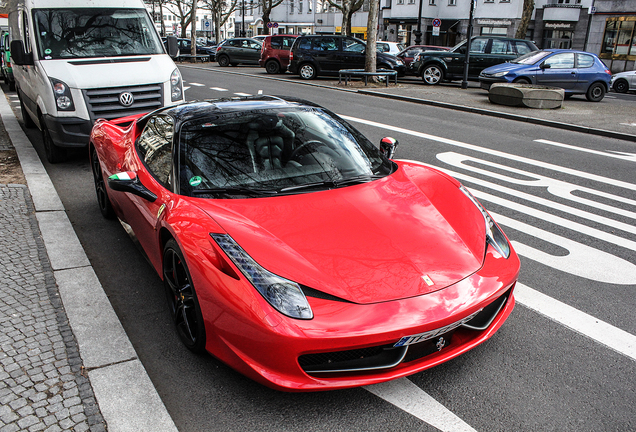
(75,61)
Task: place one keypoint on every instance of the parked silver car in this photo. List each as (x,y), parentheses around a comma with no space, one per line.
(623,82)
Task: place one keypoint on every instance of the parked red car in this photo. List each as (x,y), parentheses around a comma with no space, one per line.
(408,54)
(295,250)
(275,53)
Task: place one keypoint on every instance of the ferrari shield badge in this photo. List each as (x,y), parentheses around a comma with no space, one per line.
(428,280)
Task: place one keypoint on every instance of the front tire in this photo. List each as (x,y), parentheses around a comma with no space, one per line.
(272,67)
(54,154)
(432,74)
(307,71)
(105,206)
(522,81)
(223,60)
(182,298)
(621,86)
(596,92)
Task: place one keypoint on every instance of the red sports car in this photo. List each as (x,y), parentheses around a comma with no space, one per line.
(295,250)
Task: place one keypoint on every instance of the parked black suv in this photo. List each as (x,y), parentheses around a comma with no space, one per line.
(437,66)
(314,55)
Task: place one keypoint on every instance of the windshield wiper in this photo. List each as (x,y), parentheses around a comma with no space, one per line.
(234,190)
(335,183)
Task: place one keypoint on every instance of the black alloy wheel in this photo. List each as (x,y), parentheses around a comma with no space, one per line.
(272,67)
(621,86)
(595,92)
(223,60)
(105,206)
(182,299)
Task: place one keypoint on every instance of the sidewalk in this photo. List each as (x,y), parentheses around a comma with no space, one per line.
(609,118)
(66,363)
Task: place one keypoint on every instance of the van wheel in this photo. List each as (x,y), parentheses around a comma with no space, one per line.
(11,85)
(596,92)
(54,154)
(307,71)
(272,67)
(26,118)
(223,61)
(432,74)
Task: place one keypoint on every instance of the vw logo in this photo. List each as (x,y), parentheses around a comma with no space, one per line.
(126,99)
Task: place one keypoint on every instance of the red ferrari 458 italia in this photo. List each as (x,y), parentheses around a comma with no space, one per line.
(296,251)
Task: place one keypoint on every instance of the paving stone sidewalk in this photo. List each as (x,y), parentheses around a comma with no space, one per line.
(43,386)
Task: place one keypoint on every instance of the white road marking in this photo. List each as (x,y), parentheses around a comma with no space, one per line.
(186,88)
(218,89)
(623,156)
(600,331)
(242,94)
(407,396)
(196,84)
(260,92)
(497,153)
(629,124)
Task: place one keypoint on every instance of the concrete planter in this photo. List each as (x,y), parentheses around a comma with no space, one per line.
(526,95)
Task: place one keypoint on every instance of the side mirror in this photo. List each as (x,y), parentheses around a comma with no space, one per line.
(544,65)
(172,46)
(129,182)
(18,56)
(388,146)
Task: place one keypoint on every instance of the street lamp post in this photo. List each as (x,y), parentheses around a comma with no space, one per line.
(418,32)
(469,35)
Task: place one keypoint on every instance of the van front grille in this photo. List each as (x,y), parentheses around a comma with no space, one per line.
(106,102)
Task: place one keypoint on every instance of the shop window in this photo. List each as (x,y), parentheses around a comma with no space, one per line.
(557,39)
(619,38)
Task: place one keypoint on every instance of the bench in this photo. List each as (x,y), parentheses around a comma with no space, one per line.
(198,57)
(348,73)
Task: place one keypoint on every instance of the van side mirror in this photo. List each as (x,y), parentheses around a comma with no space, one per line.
(172,46)
(18,56)
(388,146)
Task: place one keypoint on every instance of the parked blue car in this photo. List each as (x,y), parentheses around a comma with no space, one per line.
(576,72)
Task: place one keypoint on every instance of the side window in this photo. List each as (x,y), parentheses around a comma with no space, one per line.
(305,44)
(584,60)
(155,147)
(26,32)
(326,44)
(478,45)
(352,45)
(254,45)
(276,42)
(501,46)
(522,48)
(561,61)
(288,42)
(234,43)
(382,47)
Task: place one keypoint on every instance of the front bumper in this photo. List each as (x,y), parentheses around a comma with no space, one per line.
(292,355)
(68,131)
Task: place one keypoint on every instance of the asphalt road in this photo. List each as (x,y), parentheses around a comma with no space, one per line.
(570,212)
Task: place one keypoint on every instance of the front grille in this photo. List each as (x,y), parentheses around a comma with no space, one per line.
(104,102)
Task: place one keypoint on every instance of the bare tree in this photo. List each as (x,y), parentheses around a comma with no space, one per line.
(193,30)
(372,35)
(526,16)
(348,8)
(221,11)
(183,10)
(267,6)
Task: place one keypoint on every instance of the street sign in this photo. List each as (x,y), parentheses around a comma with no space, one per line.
(272,24)
(437,22)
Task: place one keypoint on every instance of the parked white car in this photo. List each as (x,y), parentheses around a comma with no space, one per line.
(392,48)
(623,82)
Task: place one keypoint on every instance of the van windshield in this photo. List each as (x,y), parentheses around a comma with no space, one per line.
(91,32)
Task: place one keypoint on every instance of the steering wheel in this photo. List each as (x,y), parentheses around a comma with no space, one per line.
(297,150)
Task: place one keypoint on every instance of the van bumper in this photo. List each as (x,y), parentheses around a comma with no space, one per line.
(68,131)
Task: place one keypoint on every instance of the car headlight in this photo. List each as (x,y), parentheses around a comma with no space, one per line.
(494,236)
(284,295)
(499,74)
(62,95)
(176,88)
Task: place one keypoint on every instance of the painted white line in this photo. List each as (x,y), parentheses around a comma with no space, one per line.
(629,124)
(600,331)
(260,92)
(242,94)
(196,84)
(218,89)
(407,396)
(564,170)
(623,156)
(186,88)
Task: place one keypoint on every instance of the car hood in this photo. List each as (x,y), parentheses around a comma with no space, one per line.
(111,71)
(624,74)
(503,67)
(384,240)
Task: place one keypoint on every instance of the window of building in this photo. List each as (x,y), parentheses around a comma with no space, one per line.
(452,2)
(557,39)
(400,1)
(497,31)
(411,1)
(431,2)
(619,38)
(300,6)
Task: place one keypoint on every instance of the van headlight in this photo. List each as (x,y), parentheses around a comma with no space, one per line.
(494,236)
(176,86)
(282,294)
(62,95)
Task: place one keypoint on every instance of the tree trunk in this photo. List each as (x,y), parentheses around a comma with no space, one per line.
(345,28)
(372,36)
(526,16)
(265,22)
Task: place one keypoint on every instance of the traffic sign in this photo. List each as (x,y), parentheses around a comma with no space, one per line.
(272,24)
(437,22)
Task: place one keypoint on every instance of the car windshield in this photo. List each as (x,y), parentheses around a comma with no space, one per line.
(91,32)
(274,151)
(531,57)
